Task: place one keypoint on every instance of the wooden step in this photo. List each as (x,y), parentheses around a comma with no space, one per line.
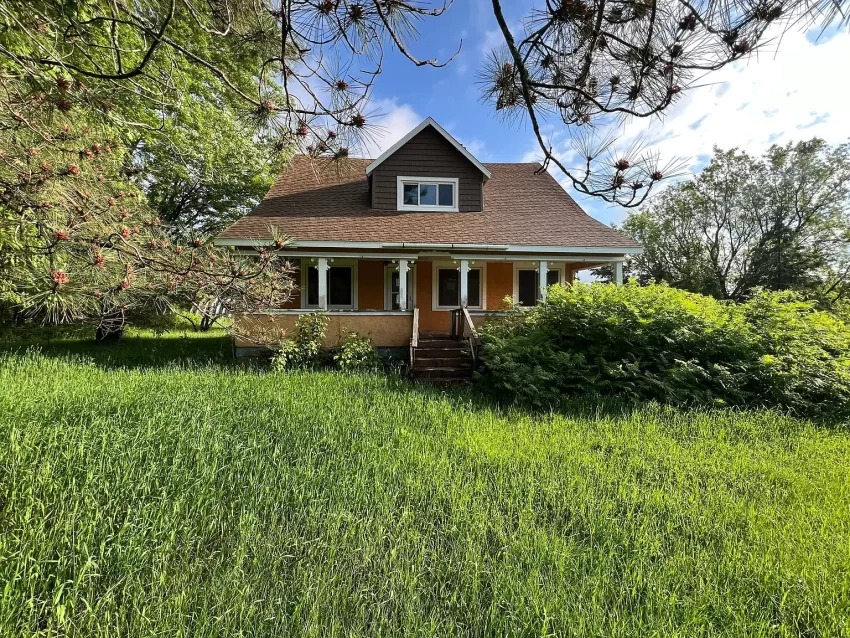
(441,353)
(442,372)
(441,343)
(442,362)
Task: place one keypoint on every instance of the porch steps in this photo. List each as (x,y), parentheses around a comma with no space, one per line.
(442,359)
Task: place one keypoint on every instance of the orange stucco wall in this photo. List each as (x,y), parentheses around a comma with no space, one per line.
(370,285)
(429,320)
(500,283)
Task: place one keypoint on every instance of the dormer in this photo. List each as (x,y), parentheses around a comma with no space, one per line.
(427,170)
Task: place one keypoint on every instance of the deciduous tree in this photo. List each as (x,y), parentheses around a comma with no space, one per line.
(779,222)
(80,242)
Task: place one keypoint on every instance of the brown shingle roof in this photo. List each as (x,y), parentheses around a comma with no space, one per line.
(316,200)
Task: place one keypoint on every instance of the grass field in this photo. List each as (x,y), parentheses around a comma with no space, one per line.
(141,496)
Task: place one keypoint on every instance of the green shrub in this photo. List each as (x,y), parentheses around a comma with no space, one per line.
(304,351)
(356,353)
(657,342)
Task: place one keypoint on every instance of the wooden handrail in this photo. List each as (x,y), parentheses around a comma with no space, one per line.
(414,339)
(473,339)
(469,325)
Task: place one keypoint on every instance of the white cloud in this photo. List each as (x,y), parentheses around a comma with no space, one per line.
(477,147)
(793,92)
(393,122)
(493,39)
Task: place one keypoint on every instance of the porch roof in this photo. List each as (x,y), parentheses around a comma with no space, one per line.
(319,201)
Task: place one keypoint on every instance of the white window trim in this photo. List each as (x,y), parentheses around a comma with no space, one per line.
(411,289)
(533,265)
(352,263)
(448,265)
(454,181)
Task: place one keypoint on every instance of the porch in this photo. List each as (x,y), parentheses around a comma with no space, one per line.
(376,294)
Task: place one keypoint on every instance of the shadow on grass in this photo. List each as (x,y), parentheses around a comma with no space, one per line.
(138,349)
(475,396)
(147,349)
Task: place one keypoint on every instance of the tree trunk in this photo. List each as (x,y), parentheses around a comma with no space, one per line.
(111,326)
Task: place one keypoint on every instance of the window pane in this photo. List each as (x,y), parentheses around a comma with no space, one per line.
(474,281)
(339,286)
(448,287)
(527,287)
(394,290)
(312,286)
(427,194)
(411,194)
(447,197)
(553,277)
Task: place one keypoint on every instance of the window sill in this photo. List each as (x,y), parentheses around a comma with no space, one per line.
(428,209)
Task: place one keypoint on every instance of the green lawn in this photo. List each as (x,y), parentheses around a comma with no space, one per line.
(140,497)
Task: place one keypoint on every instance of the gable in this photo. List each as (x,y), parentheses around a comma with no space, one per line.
(429,122)
(427,154)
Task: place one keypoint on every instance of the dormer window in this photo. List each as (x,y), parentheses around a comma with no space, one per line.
(428,193)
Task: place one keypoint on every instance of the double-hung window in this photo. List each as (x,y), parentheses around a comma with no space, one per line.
(340,286)
(528,284)
(448,288)
(428,193)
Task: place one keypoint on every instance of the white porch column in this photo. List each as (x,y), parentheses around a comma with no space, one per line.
(323,282)
(402,284)
(618,273)
(464,283)
(542,270)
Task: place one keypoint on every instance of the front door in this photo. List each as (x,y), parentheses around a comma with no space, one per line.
(391,288)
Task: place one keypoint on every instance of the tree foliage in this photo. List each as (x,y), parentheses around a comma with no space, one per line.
(778,222)
(79,240)
(592,64)
(302,70)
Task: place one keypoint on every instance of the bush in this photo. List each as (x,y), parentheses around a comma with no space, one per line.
(656,342)
(304,351)
(356,353)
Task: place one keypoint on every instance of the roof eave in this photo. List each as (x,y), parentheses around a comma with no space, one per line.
(506,249)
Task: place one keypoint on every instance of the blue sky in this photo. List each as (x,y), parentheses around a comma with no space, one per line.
(788,92)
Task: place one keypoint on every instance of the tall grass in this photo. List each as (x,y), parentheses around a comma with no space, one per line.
(201,500)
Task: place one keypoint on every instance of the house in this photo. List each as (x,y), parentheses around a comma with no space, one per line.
(425,229)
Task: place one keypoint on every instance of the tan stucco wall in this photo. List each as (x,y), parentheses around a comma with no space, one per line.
(385,330)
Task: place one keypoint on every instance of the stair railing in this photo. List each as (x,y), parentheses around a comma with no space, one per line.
(414,337)
(468,330)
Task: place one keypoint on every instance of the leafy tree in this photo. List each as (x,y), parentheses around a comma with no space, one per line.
(778,222)
(79,240)
(205,168)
